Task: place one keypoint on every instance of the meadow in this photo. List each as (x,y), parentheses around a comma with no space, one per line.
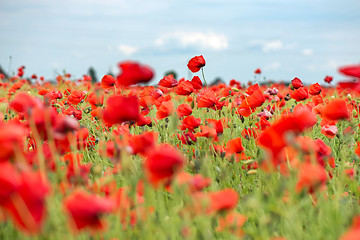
(179,160)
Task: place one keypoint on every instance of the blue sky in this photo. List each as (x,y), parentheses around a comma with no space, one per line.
(286,39)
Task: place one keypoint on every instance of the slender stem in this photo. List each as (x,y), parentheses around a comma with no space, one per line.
(202,71)
(10,61)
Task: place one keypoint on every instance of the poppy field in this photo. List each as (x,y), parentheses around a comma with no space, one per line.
(182,159)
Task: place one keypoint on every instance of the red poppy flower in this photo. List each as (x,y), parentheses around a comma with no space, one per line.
(27,206)
(354,232)
(314,89)
(12,136)
(23,103)
(183,110)
(165,109)
(72,111)
(300,94)
(233,222)
(142,143)
(257,71)
(190,122)
(120,109)
(297,83)
(9,181)
(234,146)
(256,99)
(223,200)
(76,97)
(328,79)
(86,209)
(352,70)
(196,82)
(108,81)
(217,124)
(194,183)
(251,89)
(207,99)
(329,130)
(196,63)
(206,131)
(187,138)
(184,88)
(162,163)
(311,177)
(95,100)
(168,81)
(273,137)
(335,110)
(133,73)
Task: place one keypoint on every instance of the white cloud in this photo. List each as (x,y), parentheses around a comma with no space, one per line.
(272,46)
(308,52)
(198,40)
(126,49)
(272,66)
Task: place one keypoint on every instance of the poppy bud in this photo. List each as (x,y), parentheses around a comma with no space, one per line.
(287,97)
(235,89)
(222,99)
(252,172)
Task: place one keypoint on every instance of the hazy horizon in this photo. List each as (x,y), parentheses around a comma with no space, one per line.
(307,39)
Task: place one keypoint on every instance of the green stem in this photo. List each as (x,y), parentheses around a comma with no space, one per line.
(202,71)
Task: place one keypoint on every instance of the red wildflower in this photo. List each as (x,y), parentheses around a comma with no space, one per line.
(184,88)
(168,81)
(108,81)
(11,139)
(234,146)
(27,205)
(297,83)
(217,124)
(328,79)
(223,200)
(86,209)
(120,109)
(251,89)
(190,122)
(207,99)
(352,70)
(187,138)
(133,73)
(95,100)
(314,89)
(76,97)
(257,71)
(72,111)
(23,103)
(162,163)
(195,183)
(300,94)
(165,110)
(9,181)
(196,63)
(311,177)
(329,130)
(256,99)
(232,222)
(335,110)
(183,110)
(142,143)
(354,231)
(196,82)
